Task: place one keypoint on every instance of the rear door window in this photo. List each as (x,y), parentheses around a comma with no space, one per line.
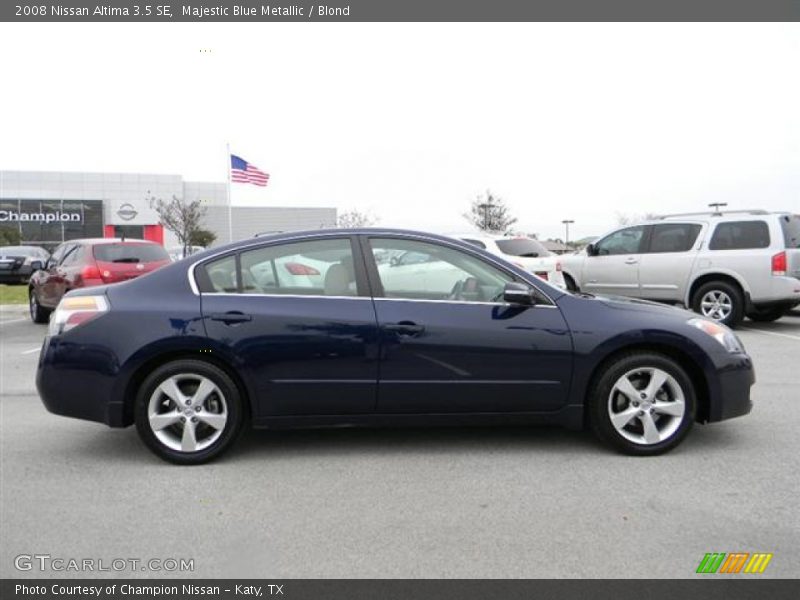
(740,235)
(673,237)
(791,230)
(130,253)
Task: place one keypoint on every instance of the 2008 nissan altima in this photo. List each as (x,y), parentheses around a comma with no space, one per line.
(330,328)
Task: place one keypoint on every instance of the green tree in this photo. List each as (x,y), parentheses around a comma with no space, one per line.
(9,236)
(202,237)
(490,213)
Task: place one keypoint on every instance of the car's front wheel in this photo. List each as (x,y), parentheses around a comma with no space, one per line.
(188,412)
(642,404)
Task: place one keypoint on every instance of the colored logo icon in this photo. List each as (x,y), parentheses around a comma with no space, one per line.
(734,562)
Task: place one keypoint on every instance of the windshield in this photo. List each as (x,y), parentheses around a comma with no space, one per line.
(522,247)
(130,253)
(791,230)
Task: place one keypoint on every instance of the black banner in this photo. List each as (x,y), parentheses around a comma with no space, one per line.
(404,10)
(711,588)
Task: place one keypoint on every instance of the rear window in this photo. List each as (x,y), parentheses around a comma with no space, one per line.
(740,235)
(791,230)
(522,247)
(130,253)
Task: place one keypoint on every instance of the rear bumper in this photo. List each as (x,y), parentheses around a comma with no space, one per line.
(70,384)
(729,394)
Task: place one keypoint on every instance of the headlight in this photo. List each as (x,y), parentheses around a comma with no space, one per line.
(720,333)
(73,311)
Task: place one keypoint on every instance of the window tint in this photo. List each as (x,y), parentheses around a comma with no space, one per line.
(624,241)
(740,235)
(791,230)
(437,273)
(320,268)
(129,253)
(522,247)
(222,275)
(673,237)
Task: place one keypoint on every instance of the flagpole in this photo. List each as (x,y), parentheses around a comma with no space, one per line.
(230,210)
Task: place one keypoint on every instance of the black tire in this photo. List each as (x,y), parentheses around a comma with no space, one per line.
(231,401)
(39,314)
(731,291)
(767,315)
(600,403)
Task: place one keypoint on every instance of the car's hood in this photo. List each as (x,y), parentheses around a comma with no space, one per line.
(623,302)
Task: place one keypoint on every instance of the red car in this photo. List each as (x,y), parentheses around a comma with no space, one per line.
(90,262)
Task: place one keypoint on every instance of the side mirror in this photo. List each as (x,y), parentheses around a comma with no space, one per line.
(36,265)
(591,250)
(518,293)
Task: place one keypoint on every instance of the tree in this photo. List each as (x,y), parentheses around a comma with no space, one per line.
(202,237)
(181,218)
(624,219)
(9,236)
(354,218)
(490,213)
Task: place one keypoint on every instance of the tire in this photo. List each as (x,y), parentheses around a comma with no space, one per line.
(625,421)
(721,301)
(167,403)
(38,313)
(767,315)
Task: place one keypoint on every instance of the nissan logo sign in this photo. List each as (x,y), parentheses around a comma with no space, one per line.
(126,212)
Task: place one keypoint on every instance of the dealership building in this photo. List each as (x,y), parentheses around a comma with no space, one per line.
(48,208)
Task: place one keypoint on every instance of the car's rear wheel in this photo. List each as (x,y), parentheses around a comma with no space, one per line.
(721,301)
(765,315)
(39,314)
(642,404)
(188,412)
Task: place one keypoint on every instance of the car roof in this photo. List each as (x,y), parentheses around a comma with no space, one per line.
(96,241)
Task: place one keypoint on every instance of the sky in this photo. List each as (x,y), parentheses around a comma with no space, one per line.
(410,122)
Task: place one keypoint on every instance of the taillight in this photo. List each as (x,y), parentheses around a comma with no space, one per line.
(779,264)
(74,311)
(90,272)
(300,269)
(542,275)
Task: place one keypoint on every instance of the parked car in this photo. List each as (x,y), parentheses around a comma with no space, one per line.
(188,361)
(525,252)
(88,263)
(18,263)
(723,266)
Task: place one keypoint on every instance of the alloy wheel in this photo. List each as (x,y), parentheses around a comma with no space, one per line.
(187,412)
(646,406)
(716,305)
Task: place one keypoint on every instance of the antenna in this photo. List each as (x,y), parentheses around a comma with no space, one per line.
(716,206)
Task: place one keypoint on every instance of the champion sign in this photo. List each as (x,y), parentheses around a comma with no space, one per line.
(48,217)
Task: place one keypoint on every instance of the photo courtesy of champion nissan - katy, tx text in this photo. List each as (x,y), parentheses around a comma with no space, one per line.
(323,328)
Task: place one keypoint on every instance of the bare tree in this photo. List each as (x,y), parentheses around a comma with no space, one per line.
(490,213)
(354,218)
(181,218)
(624,219)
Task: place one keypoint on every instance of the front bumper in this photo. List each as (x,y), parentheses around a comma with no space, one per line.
(729,391)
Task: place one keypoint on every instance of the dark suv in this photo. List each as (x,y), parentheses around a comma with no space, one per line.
(90,262)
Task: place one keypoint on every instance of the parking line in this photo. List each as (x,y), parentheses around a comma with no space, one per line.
(2,322)
(775,333)
(31,351)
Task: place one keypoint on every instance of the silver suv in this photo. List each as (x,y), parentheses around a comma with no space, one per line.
(724,266)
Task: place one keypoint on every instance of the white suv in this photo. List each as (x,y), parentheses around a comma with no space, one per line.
(526,253)
(724,266)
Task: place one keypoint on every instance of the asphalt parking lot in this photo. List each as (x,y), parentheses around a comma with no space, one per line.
(509,502)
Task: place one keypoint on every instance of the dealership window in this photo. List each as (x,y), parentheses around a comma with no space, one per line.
(75,219)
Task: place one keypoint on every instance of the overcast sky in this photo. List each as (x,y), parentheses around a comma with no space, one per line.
(409,121)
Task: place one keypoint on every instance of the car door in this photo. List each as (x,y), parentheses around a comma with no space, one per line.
(454,346)
(51,281)
(297,319)
(666,263)
(612,268)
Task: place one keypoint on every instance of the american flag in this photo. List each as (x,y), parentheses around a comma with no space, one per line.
(243,172)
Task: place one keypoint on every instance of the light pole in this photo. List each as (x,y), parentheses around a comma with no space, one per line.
(485,207)
(566,223)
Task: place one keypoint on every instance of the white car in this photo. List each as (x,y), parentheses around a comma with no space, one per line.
(524,252)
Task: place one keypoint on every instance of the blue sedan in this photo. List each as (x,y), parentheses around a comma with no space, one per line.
(342,327)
